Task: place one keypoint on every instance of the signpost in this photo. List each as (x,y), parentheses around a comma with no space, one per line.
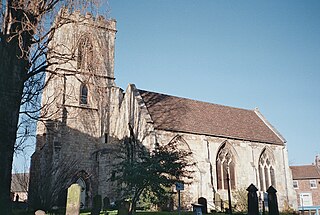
(179,187)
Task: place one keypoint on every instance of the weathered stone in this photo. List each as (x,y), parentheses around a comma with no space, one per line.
(73,200)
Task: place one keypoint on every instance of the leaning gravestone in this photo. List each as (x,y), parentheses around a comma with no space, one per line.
(73,200)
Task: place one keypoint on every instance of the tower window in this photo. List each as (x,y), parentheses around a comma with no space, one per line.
(85,54)
(83,94)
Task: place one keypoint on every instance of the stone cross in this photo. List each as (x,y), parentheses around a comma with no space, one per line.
(253,206)
(272,201)
(73,200)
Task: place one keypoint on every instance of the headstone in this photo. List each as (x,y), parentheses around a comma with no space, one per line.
(106,203)
(253,206)
(218,201)
(40,212)
(124,208)
(73,200)
(203,201)
(272,201)
(96,206)
(197,209)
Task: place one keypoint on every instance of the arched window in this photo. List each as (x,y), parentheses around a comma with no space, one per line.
(266,171)
(225,168)
(85,54)
(83,94)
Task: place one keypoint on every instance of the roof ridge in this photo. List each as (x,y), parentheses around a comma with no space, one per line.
(251,110)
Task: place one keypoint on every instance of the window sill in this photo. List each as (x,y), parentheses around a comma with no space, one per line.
(83,106)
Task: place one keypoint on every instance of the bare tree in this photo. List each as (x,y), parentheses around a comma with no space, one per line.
(52,183)
(27,27)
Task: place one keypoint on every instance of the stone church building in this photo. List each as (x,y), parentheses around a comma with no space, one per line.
(87,115)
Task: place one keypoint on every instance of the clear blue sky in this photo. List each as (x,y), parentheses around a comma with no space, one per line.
(245,54)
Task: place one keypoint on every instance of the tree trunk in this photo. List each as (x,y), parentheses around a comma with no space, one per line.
(12,76)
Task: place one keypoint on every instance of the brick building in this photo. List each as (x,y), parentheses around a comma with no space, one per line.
(306,182)
(89,116)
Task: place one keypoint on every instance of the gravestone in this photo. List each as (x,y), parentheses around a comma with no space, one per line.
(96,206)
(106,203)
(203,201)
(124,208)
(253,206)
(272,201)
(73,200)
(218,201)
(40,212)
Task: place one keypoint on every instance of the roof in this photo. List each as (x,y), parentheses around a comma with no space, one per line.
(19,182)
(186,115)
(305,172)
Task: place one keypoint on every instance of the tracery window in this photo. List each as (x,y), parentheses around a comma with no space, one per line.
(85,54)
(225,165)
(83,94)
(266,172)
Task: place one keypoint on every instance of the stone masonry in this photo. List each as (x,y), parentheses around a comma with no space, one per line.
(88,115)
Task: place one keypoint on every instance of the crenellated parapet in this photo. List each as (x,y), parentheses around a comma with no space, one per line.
(98,21)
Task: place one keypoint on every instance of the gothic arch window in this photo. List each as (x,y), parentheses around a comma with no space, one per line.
(266,171)
(83,94)
(85,54)
(225,164)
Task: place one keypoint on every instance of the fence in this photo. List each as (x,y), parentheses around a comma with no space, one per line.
(312,210)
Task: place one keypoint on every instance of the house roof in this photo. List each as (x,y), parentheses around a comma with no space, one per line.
(305,172)
(186,115)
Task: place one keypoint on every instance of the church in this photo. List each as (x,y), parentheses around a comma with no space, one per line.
(87,115)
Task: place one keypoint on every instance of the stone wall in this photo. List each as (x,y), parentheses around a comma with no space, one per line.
(78,130)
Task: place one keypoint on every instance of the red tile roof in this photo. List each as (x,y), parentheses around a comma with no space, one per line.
(186,115)
(305,172)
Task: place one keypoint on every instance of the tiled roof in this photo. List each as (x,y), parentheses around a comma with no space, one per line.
(305,172)
(186,115)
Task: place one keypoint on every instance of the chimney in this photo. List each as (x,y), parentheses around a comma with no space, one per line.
(317,161)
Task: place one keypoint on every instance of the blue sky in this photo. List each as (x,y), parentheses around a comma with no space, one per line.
(244,54)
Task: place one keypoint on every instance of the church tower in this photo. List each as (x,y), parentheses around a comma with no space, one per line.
(76,104)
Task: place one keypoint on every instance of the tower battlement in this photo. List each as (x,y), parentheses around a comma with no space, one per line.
(98,21)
